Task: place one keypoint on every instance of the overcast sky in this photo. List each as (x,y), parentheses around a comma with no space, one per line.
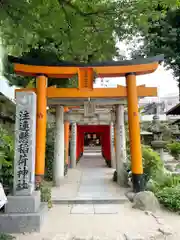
(5,89)
(161,79)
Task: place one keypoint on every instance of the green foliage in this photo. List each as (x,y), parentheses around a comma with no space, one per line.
(167,180)
(53,30)
(151,162)
(162,180)
(38,55)
(6,158)
(45,189)
(79,31)
(49,154)
(65,164)
(75,30)
(170,197)
(157,41)
(178,166)
(166,187)
(174,149)
(49,162)
(4,236)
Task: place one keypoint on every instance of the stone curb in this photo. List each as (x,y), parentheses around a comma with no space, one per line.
(90,201)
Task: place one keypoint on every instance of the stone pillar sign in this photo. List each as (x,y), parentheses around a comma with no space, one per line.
(120,145)
(113,160)
(25,138)
(73,145)
(58,167)
(24,211)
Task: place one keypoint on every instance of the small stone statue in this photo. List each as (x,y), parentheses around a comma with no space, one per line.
(156,128)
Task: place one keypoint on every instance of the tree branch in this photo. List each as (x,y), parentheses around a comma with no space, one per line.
(89,19)
(69,26)
(86,14)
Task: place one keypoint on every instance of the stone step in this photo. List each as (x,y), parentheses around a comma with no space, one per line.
(92,151)
(23,222)
(120,200)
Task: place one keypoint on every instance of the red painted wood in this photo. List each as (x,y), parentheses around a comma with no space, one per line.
(103,130)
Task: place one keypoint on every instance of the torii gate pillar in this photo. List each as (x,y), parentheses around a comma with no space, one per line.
(134,133)
(41,83)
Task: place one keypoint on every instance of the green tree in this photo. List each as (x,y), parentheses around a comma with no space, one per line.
(78,30)
(57,30)
(43,53)
(162,36)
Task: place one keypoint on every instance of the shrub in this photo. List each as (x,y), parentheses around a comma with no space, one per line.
(45,189)
(166,187)
(174,149)
(4,236)
(65,164)
(6,159)
(170,197)
(177,167)
(167,180)
(49,161)
(163,180)
(49,153)
(152,163)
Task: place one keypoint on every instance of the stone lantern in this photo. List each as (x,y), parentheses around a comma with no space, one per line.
(158,143)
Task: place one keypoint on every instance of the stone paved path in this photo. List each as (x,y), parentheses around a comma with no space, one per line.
(93,180)
(61,224)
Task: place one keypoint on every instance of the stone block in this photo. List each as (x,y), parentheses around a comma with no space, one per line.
(106,209)
(21,223)
(23,204)
(146,201)
(82,209)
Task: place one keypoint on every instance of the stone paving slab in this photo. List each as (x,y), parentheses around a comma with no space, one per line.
(132,222)
(82,209)
(106,208)
(91,179)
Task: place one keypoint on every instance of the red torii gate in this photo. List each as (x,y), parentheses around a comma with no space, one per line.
(103,131)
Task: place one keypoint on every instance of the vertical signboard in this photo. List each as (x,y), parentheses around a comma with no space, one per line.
(25,139)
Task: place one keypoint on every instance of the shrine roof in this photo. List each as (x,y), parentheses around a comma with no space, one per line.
(63,69)
(174,110)
(42,62)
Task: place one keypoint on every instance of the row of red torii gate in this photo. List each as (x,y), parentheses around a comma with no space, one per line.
(102,133)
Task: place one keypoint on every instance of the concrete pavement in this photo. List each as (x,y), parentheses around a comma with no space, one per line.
(92,210)
(91,181)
